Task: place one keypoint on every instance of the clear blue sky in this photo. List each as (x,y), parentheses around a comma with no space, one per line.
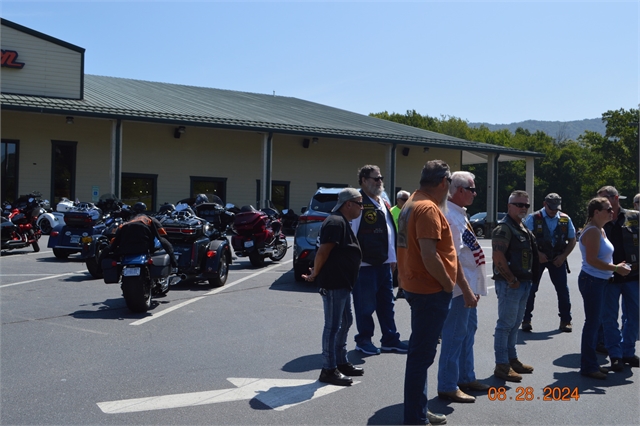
(495,62)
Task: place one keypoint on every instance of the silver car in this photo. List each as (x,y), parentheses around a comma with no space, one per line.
(309,223)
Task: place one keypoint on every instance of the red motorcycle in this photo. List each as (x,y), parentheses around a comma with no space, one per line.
(258,235)
(18,227)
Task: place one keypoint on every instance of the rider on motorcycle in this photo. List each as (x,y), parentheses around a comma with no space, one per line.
(137,236)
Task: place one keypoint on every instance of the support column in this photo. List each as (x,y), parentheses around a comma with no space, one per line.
(529,182)
(265,181)
(492,192)
(391,168)
(116,158)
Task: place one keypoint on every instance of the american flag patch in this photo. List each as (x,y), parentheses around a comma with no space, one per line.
(469,239)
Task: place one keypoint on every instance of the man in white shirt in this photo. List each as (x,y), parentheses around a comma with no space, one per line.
(456,366)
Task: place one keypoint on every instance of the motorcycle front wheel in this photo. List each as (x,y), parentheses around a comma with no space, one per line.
(137,293)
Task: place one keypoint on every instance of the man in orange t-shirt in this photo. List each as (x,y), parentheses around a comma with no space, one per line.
(428,269)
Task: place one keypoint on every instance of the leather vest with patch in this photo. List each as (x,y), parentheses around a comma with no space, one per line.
(520,254)
(373,233)
(544,237)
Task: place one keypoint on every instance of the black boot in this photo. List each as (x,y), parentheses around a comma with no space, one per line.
(349,369)
(335,377)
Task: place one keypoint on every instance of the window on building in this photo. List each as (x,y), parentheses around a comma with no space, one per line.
(9,170)
(279,193)
(63,171)
(209,186)
(137,188)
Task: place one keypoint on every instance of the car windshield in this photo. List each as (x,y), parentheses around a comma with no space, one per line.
(323,202)
(478,216)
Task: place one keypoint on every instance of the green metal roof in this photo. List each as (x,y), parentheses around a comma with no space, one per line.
(138,100)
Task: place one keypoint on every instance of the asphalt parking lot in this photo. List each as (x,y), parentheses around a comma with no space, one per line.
(249,353)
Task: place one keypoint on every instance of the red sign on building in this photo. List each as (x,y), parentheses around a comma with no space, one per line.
(9,59)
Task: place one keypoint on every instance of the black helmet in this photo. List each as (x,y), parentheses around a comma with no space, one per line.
(139,207)
(201,198)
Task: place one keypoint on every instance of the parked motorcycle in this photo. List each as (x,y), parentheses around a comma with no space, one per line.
(289,221)
(18,228)
(51,219)
(258,235)
(143,276)
(199,240)
(82,223)
(91,250)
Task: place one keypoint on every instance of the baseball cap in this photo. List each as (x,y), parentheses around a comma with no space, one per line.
(611,192)
(345,195)
(553,201)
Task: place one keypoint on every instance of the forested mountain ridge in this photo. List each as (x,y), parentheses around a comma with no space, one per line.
(559,130)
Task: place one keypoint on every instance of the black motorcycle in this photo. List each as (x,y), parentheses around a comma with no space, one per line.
(143,276)
(82,223)
(116,213)
(198,237)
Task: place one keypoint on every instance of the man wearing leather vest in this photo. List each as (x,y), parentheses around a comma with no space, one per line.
(515,259)
(373,291)
(556,238)
(622,231)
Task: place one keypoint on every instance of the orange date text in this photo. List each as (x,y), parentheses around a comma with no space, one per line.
(549,393)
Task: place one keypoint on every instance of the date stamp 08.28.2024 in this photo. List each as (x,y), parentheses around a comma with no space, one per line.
(549,393)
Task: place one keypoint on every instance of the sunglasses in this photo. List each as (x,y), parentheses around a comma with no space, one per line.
(360,203)
(521,205)
(377,179)
(610,209)
(470,189)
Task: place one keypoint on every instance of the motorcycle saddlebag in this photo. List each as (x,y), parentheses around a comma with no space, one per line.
(110,273)
(161,267)
(249,222)
(80,219)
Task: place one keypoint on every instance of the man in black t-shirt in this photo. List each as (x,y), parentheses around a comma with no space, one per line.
(335,270)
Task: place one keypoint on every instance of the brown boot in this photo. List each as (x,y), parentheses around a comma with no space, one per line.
(519,367)
(505,372)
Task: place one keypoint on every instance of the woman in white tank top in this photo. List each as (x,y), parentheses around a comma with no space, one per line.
(597,268)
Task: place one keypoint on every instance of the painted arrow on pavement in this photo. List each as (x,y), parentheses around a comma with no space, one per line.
(277,394)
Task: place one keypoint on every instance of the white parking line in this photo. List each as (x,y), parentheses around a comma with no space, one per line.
(44,278)
(217,290)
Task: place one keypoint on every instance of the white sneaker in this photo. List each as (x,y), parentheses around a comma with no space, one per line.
(436,419)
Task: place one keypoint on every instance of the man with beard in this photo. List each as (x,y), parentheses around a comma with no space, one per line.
(514,257)
(373,291)
(428,271)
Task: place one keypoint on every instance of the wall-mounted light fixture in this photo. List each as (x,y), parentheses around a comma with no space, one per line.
(425,149)
(179,132)
(69,120)
(305,143)
(405,151)
(314,140)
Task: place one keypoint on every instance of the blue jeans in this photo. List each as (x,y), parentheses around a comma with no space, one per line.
(592,290)
(456,351)
(373,292)
(621,345)
(558,276)
(428,313)
(337,320)
(511,305)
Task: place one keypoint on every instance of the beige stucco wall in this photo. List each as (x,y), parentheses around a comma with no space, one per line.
(35,132)
(150,148)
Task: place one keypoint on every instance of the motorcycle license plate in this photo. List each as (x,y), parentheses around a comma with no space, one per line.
(248,244)
(74,239)
(131,272)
